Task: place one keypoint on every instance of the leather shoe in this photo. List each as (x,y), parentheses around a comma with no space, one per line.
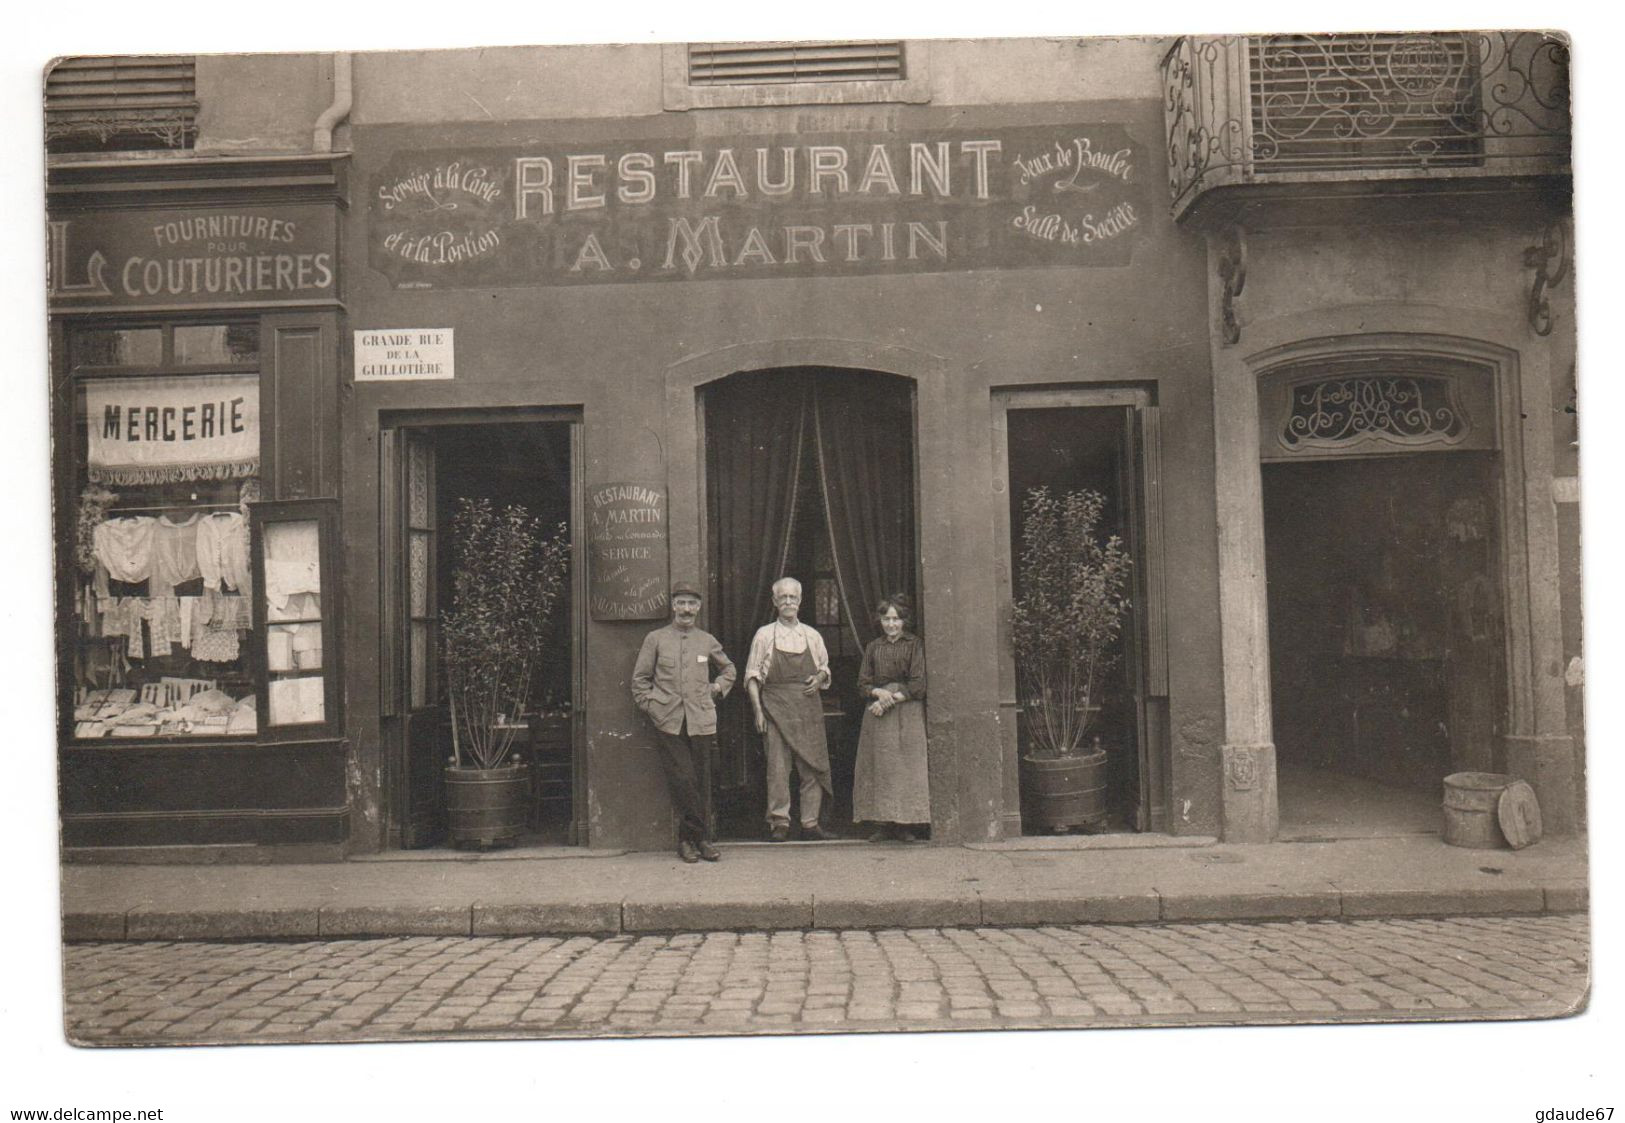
(707,851)
(882,834)
(904,834)
(686,851)
(817,833)
(781,833)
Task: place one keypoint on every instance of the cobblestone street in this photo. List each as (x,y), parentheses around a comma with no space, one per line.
(726,982)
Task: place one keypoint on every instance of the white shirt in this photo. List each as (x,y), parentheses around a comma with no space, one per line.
(791,639)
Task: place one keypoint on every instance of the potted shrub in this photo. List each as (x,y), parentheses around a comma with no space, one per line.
(507,577)
(1073,585)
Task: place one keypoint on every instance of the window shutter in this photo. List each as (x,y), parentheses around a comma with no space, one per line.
(121,101)
(730,64)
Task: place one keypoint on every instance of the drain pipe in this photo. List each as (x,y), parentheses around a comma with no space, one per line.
(340,109)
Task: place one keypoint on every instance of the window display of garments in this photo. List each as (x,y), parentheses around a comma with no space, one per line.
(213,643)
(174,555)
(163,616)
(227,612)
(122,616)
(190,606)
(124,547)
(222,551)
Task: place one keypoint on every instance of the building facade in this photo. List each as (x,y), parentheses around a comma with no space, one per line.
(728,311)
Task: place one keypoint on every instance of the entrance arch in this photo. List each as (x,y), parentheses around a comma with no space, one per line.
(809,472)
(1529,738)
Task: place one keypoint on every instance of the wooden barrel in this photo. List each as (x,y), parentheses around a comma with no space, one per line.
(1067,791)
(1470,800)
(487,805)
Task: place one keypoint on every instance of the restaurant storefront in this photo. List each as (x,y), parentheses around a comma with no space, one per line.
(830,353)
(724,341)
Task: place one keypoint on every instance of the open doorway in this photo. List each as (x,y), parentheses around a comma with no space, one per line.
(430,466)
(1087,440)
(1386,649)
(809,474)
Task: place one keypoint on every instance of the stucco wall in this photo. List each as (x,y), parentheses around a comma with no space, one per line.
(261,103)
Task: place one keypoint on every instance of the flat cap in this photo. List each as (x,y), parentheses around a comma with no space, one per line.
(685,589)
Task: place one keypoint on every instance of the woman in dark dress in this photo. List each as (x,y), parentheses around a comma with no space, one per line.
(889,786)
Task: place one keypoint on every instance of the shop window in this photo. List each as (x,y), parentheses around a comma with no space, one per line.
(292,563)
(167,463)
(121,102)
(116,347)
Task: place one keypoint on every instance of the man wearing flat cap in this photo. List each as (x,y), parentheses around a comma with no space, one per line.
(672,685)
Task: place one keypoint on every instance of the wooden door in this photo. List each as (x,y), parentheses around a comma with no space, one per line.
(411,613)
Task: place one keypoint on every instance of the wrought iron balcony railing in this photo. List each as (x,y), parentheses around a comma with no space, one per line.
(1318,108)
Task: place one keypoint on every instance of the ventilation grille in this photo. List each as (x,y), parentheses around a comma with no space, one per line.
(121,101)
(734,64)
(1338,102)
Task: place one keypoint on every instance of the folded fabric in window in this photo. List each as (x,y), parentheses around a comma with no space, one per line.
(212,702)
(140,713)
(244,719)
(286,579)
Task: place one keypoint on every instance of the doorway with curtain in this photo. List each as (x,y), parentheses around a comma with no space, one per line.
(810,473)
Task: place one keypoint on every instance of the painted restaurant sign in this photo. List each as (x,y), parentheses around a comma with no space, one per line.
(716,208)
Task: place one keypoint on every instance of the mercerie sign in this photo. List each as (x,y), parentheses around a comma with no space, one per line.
(717,208)
(198,256)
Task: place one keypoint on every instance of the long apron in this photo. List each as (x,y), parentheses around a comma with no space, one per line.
(889,784)
(795,719)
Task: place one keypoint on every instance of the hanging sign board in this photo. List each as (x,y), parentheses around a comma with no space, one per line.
(627,551)
(165,430)
(404,354)
(742,207)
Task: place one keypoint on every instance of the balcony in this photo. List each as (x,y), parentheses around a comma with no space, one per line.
(1306,119)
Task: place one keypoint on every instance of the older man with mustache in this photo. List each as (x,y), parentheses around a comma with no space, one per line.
(787,667)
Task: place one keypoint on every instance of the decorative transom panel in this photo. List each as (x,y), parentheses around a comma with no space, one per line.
(1405,410)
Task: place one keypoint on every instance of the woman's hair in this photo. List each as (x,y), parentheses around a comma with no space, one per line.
(904,607)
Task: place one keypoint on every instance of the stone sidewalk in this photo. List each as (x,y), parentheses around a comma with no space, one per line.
(418,987)
(1110,879)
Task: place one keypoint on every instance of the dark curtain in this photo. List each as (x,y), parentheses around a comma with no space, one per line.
(755,427)
(864,425)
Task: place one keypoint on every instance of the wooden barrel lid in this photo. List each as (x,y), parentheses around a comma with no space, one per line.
(1518,812)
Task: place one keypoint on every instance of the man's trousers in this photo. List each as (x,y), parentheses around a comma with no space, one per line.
(685,759)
